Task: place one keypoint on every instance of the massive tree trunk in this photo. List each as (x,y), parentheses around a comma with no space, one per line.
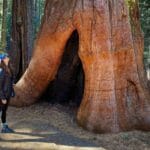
(116,93)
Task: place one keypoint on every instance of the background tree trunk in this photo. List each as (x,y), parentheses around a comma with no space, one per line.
(116,93)
(30,29)
(4,25)
(22,35)
(16,39)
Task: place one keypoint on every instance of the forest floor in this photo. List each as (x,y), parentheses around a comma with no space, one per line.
(44,126)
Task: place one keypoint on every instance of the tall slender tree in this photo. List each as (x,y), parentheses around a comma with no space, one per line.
(4,25)
(145,23)
(30,29)
(22,34)
(38,13)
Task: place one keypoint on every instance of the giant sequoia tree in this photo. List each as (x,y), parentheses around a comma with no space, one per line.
(116,92)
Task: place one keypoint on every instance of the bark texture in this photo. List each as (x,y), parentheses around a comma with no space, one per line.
(116,93)
(22,35)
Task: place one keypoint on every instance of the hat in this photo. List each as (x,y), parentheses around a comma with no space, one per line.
(3,55)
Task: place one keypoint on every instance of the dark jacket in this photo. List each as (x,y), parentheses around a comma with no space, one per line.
(6,82)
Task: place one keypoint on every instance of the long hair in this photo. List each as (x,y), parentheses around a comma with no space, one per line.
(6,67)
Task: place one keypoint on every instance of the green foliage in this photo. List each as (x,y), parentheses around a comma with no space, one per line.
(8,22)
(145,24)
(9,25)
(39,12)
(1,14)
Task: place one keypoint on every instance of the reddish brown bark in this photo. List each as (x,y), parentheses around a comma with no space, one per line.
(22,35)
(116,95)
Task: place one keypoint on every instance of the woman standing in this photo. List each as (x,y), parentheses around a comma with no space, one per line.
(6,89)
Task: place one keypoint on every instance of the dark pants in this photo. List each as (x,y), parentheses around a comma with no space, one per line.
(3,108)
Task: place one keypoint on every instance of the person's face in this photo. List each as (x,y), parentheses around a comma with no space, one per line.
(6,60)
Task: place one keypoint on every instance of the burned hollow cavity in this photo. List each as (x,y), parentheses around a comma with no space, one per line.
(68,86)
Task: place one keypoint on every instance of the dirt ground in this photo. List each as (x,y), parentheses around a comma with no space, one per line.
(43,126)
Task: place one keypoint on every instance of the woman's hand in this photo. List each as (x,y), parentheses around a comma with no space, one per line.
(4,101)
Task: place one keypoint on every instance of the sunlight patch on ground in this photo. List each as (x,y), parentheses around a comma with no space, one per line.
(42,146)
(14,137)
(48,132)
(27,130)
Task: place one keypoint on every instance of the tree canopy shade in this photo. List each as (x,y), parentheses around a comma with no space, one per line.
(116,92)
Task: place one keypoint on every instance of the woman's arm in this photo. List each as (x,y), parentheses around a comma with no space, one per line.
(2,80)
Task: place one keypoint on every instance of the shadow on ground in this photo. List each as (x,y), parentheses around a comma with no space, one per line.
(53,127)
(47,139)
